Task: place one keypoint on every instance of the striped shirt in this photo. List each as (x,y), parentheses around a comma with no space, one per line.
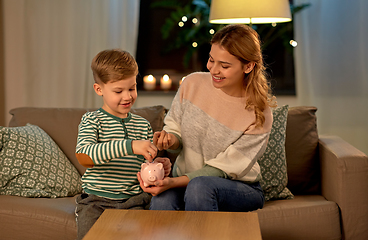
(107,140)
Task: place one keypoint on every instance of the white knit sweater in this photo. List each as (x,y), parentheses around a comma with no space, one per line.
(216,131)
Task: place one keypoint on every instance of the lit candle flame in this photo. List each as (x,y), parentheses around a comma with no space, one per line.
(150,78)
(166,77)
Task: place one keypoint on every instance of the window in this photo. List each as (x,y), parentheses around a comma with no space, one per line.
(158,55)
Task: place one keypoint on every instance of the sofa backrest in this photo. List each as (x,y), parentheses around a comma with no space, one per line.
(301,142)
(61,124)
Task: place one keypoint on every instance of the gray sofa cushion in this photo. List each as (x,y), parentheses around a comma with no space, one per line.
(304,217)
(37,218)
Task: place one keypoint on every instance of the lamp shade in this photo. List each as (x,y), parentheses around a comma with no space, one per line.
(249,11)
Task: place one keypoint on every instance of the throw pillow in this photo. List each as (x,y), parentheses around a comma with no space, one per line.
(32,165)
(273,161)
(302,151)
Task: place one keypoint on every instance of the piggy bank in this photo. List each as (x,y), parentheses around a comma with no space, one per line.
(151,172)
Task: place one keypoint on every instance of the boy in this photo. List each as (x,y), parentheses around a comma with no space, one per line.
(112,142)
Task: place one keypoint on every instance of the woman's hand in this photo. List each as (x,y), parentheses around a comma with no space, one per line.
(164,140)
(166,163)
(159,187)
(163,185)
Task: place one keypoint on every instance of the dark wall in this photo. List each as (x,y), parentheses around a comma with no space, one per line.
(150,49)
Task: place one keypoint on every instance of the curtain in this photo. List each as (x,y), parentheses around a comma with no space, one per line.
(332,66)
(49,46)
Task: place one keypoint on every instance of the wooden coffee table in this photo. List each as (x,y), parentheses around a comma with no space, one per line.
(174,225)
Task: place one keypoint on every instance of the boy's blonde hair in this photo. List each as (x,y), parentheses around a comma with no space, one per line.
(113,65)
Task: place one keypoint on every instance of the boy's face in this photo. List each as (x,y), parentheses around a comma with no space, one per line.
(119,96)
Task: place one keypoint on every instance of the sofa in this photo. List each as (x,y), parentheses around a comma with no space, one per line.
(324,195)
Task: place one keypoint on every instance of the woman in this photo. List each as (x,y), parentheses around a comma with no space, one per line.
(219,122)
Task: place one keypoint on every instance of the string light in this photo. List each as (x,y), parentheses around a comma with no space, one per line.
(212,31)
(184,18)
(293,43)
(195,44)
(195,20)
(181,24)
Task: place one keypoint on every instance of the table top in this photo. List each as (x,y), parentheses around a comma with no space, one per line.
(174,225)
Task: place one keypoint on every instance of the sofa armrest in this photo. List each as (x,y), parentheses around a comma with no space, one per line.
(344,180)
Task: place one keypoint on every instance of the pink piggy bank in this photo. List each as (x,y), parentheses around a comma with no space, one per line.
(151,172)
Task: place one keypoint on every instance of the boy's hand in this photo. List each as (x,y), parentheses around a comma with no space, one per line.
(164,140)
(145,148)
(167,164)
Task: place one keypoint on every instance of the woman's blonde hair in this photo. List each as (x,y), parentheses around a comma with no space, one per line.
(244,43)
(113,65)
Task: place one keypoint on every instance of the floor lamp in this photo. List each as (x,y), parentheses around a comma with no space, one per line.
(249,11)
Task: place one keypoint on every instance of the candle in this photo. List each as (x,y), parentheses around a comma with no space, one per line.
(149,82)
(166,82)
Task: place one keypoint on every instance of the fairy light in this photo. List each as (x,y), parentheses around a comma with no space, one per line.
(293,43)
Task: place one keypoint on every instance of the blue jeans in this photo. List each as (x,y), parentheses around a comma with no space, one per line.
(211,194)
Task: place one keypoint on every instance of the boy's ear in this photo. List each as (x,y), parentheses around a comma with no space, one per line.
(97,89)
(249,67)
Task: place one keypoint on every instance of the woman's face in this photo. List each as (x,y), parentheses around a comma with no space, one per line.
(227,71)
